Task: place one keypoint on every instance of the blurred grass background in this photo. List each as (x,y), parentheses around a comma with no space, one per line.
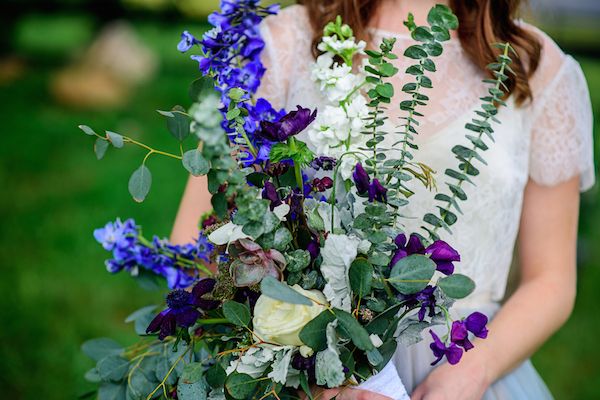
(55,291)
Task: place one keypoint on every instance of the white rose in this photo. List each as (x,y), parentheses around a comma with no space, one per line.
(280,323)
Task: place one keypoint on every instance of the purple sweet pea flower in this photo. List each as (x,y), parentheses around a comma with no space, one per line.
(474,323)
(377,191)
(405,249)
(425,299)
(439,251)
(443,255)
(453,353)
(313,249)
(270,193)
(361,179)
(289,125)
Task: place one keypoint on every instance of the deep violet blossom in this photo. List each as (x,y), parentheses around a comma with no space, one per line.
(439,251)
(364,186)
(289,125)
(474,323)
(453,353)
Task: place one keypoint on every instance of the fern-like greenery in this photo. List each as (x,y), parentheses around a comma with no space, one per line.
(467,156)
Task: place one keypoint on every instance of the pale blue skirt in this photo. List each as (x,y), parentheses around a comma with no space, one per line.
(523,383)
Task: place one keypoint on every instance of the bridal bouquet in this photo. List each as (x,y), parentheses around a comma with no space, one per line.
(303,276)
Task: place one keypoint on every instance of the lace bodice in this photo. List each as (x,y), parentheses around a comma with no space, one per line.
(548,140)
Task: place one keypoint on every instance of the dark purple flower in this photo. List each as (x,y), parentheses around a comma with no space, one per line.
(453,353)
(425,299)
(443,255)
(187,42)
(405,249)
(289,125)
(305,364)
(439,251)
(313,249)
(270,193)
(377,191)
(361,179)
(474,323)
(183,309)
(323,163)
(322,184)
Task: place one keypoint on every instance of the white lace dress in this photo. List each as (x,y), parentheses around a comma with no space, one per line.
(548,140)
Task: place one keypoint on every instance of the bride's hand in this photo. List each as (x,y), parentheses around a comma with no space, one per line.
(465,381)
(345,394)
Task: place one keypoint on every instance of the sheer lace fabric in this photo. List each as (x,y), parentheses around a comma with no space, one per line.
(548,140)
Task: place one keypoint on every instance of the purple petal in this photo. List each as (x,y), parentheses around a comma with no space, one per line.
(361,179)
(442,251)
(187,317)
(446,268)
(476,323)
(157,321)
(459,331)
(203,287)
(414,245)
(454,354)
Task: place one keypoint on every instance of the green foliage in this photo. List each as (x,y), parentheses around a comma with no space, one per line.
(361,277)
(456,286)
(482,126)
(277,290)
(354,330)
(240,386)
(195,163)
(237,313)
(314,333)
(412,274)
(139,183)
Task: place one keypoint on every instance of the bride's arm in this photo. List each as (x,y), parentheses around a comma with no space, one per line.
(195,202)
(541,304)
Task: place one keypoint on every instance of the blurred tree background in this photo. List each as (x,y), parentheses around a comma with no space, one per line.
(110,63)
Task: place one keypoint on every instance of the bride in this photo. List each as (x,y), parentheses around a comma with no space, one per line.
(528,193)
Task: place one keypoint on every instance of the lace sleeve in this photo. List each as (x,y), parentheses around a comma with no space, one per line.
(282,34)
(562,141)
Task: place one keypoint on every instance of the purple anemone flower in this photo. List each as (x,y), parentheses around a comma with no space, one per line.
(453,353)
(289,125)
(183,309)
(439,251)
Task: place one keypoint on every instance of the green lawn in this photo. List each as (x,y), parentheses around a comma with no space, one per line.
(56,292)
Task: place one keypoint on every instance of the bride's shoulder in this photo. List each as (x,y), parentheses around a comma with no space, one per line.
(553,63)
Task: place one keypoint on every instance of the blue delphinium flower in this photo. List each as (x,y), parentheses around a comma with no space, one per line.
(187,42)
(231,54)
(130,252)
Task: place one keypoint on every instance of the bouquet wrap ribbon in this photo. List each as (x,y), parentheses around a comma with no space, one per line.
(387,383)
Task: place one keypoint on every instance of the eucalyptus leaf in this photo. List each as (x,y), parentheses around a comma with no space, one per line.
(356,331)
(87,130)
(179,124)
(240,386)
(97,349)
(192,373)
(112,391)
(194,391)
(412,274)
(139,183)
(112,368)
(100,147)
(314,332)
(202,87)
(277,290)
(195,163)
(361,276)
(115,139)
(237,313)
(456,286)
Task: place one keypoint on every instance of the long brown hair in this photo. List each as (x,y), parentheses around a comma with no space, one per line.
(481,24)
